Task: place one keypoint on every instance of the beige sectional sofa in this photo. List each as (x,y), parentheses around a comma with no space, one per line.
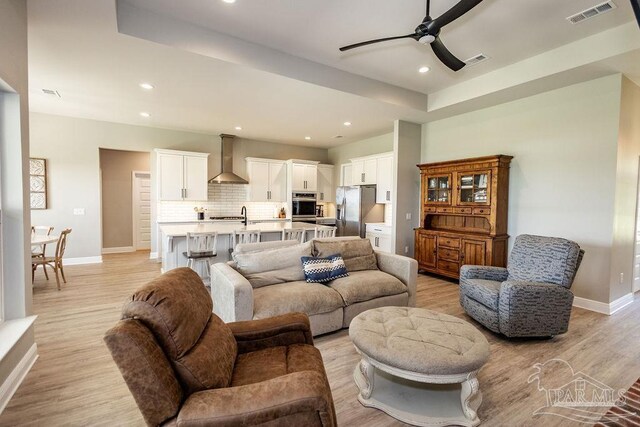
(266,279)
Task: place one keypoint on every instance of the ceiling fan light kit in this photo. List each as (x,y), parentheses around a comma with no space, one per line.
(428,32)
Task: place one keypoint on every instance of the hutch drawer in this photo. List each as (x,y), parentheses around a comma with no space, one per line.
(481,211)
(448,254)
(452,267)
(451,242)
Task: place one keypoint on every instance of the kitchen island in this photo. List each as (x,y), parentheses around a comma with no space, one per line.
(174,238)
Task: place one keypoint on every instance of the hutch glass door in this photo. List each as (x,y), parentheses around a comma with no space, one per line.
(439,189)
(473,188)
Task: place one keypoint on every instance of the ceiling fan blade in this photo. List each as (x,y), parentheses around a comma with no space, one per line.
(446,57)
(353,46)
(462,7)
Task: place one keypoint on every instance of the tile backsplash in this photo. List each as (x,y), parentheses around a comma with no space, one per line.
(224,200)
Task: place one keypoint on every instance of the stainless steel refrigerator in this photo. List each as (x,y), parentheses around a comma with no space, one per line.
(355,206)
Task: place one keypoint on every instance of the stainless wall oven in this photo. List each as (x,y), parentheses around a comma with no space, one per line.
(303,206)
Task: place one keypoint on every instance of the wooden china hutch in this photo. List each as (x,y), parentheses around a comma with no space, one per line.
(464,214)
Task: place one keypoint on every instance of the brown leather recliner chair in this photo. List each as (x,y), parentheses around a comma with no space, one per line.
(186,367)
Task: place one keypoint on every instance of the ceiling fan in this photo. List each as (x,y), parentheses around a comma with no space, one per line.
(428,32)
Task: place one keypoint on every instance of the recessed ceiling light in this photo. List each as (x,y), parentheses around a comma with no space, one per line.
(347,123)
(145,114)
(308,138)
(423,70)
(229,1)
(146,86)
(238,127)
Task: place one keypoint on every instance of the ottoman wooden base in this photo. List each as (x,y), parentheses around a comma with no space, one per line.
(419,366)
(421,400)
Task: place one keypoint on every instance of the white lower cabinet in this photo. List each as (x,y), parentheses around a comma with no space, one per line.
(380,237)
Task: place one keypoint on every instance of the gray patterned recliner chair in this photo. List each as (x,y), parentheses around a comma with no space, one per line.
(529,298)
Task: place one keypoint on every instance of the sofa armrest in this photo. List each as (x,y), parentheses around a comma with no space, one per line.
(287,329)
(232,294)
(300,393)
(497,274)
(534,309)
(403,268)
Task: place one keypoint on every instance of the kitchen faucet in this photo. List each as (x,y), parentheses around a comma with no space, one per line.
(243,212)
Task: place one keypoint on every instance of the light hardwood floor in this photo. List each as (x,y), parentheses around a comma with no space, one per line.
(75,382)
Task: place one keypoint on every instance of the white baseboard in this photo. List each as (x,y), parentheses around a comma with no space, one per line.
(153,255)
(15,378)
(603,307)
(119,250)
(82,260)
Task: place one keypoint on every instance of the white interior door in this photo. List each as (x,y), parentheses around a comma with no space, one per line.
(141,210)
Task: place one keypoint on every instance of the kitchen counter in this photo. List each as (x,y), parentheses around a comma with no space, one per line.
(226,228)
(174,242)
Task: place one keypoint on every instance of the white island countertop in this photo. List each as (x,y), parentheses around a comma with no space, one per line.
(227,228)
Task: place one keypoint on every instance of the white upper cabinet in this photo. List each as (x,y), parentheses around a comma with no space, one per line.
(267,180)
(171,168)
(304,176)
(278,182)
(364,170)
(195,178)
(182,175)
(384,179)
(347,175)
(326,189)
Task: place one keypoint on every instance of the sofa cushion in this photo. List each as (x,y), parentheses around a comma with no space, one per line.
(367,285)
(357,253)
(323,270)
(273,362)
(273,266)
(309,298)
(486,292)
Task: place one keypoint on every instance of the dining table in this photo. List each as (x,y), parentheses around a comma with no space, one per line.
(41,239)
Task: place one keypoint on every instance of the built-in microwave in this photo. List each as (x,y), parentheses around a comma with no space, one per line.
(303,206)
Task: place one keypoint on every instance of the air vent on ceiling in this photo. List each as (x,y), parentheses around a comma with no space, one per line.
(337,137)
(481,57)
(51,92)
(596,10)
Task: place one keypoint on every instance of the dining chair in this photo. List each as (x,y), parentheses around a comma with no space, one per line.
(201,248)
(294,234)
(40,230)
(245,236)
(324,232)
(54,262)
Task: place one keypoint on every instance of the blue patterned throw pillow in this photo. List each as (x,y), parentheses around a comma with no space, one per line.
(323,270)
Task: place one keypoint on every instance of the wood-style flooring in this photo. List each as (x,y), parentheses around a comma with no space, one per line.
(75,383)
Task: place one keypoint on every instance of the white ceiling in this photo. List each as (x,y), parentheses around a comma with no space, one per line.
(507,31)
(75,48)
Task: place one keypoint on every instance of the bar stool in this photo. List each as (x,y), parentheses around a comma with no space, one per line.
(325,232)
(245,236)
(294,234)
(201,247)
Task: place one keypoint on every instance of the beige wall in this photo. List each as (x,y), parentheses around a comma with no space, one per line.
(14,157)
(406,185)
(342,154)
(71,146)
(626,191)
(117,167)
(563,175)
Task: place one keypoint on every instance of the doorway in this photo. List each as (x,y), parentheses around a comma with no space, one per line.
(126,201)
(141,204)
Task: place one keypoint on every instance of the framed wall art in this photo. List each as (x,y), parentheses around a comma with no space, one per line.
(38,183)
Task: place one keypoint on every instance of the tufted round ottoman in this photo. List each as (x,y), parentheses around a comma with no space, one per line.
(423,365)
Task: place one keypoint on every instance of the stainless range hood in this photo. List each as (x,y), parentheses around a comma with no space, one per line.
(227,176)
